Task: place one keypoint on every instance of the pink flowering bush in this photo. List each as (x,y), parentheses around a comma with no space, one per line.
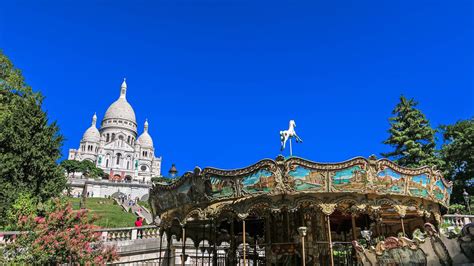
(61,235)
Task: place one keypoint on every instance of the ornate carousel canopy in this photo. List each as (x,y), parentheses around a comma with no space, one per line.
(358,184)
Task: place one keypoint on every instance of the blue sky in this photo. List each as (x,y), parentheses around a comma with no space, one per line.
(218,80)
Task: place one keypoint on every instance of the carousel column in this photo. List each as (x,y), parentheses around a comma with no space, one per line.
(328,209)
(232,249)
(244,249)
(214,250)
(183,246)
(203,238)
(268,238)
(375,210)
(331,256)
(402,211)
(403,225)
(302,232)
(354,232)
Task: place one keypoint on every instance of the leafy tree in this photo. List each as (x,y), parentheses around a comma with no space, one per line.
(71,166)
(89,169)
(59,236)
(24,205)
(458,154)
(29,144)
(411,136)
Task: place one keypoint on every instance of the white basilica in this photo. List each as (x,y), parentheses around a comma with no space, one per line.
(115,147)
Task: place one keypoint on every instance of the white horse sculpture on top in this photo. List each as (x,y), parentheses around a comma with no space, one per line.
(289,134)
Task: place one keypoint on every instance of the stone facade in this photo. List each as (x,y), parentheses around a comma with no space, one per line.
(115,147)
(105,188)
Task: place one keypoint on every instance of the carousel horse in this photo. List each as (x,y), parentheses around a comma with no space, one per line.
(289,134)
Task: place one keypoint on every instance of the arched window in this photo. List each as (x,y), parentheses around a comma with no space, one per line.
(120,137)
(107,157)
(108,137)
(113,136)
(118,158)
(128,139)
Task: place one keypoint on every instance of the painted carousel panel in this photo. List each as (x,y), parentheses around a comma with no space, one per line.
(307,179)
(222,187)
(262,181)
(418,185)
(440,191)
(390,181)
(353,178)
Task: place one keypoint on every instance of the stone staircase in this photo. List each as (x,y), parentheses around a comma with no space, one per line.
(138,210)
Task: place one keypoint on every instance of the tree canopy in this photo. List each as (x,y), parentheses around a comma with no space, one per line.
(411,136)
(86,167)
(29,143)
(458,154)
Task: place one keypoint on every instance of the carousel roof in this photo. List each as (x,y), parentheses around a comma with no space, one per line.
(294,181)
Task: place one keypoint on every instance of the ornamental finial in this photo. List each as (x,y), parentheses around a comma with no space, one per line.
(146,125)
(123,89)
(94,120)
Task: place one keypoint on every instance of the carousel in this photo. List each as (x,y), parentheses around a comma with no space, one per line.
(292,211)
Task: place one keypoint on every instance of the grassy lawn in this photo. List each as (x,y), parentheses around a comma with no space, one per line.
(110,214)
(144,204)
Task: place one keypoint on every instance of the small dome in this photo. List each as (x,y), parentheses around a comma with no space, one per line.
(92,133)
(145,139)
(121,109)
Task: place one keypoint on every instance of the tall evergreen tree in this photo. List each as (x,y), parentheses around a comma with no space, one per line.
(458,155)
(411,136)
(29,144)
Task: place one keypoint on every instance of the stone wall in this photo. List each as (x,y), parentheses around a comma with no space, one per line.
(106,188)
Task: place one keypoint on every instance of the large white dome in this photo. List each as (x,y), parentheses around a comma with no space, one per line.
(121,109)
(92,133)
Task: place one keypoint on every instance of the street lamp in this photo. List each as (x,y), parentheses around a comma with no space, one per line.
(302,231)
(467,200)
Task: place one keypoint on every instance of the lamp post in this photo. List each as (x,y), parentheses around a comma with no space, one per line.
(302,231)
(467,200)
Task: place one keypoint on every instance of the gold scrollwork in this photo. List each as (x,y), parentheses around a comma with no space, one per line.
(327,208)
(401,210)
